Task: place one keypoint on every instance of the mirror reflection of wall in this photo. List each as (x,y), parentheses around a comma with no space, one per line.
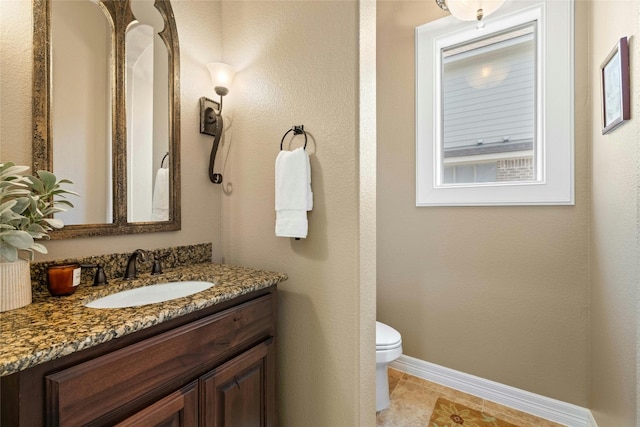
(139,51)
(81,107)
(147,114)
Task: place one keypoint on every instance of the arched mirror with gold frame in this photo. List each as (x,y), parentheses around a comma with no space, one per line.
(106,112)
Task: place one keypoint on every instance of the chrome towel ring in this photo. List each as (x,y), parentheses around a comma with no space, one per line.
(297,130)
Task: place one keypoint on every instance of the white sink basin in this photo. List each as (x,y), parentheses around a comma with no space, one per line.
(149,294)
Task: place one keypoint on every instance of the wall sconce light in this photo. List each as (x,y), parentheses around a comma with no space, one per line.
(211,111)
(470,10)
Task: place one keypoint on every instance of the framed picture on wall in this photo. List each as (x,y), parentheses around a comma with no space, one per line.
(614,73)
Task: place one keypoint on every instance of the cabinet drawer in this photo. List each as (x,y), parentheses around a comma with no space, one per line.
(90,390)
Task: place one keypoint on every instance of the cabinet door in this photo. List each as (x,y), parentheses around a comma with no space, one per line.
(179,409)
(241,392)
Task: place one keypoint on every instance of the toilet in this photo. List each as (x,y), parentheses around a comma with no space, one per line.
(388,349)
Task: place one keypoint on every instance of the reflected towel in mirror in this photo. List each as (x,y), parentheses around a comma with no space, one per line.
(160,207)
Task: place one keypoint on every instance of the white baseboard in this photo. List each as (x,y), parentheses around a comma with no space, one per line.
(540,406)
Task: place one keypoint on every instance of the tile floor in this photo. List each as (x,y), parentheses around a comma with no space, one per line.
(412,400)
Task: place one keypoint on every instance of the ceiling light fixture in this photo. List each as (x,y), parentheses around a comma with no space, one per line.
(470,10)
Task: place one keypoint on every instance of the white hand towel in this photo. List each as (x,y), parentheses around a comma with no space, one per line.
(293,193)
(160,202)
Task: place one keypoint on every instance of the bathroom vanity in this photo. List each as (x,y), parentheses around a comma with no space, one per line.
(203,360)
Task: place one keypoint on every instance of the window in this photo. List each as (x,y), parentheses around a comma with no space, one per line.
(488,106)
(485,135)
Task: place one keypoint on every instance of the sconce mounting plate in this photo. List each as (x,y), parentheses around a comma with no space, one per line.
(209,110)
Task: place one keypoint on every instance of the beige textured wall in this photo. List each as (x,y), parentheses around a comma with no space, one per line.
(367,227)
(290,72)
(497,292)
(298,64)
(614,254)
(200,42)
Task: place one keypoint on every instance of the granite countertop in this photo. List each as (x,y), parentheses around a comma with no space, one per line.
(52,327)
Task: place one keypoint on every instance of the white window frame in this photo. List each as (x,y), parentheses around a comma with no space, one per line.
(555,122)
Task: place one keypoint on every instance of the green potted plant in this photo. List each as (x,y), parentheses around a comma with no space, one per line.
(27,205)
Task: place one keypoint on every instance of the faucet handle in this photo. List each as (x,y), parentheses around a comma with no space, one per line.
(156,268)
(100,277)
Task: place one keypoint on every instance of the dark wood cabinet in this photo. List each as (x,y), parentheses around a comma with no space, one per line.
(211,368)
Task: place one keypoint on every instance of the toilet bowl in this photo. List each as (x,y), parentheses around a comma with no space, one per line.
(388,349)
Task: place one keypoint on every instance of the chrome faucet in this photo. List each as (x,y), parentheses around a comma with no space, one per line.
(130,272)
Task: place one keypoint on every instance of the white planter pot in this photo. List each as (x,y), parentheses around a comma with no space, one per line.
(15,285)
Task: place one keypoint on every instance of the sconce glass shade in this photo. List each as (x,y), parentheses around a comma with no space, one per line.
(472,10)
(221,76)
